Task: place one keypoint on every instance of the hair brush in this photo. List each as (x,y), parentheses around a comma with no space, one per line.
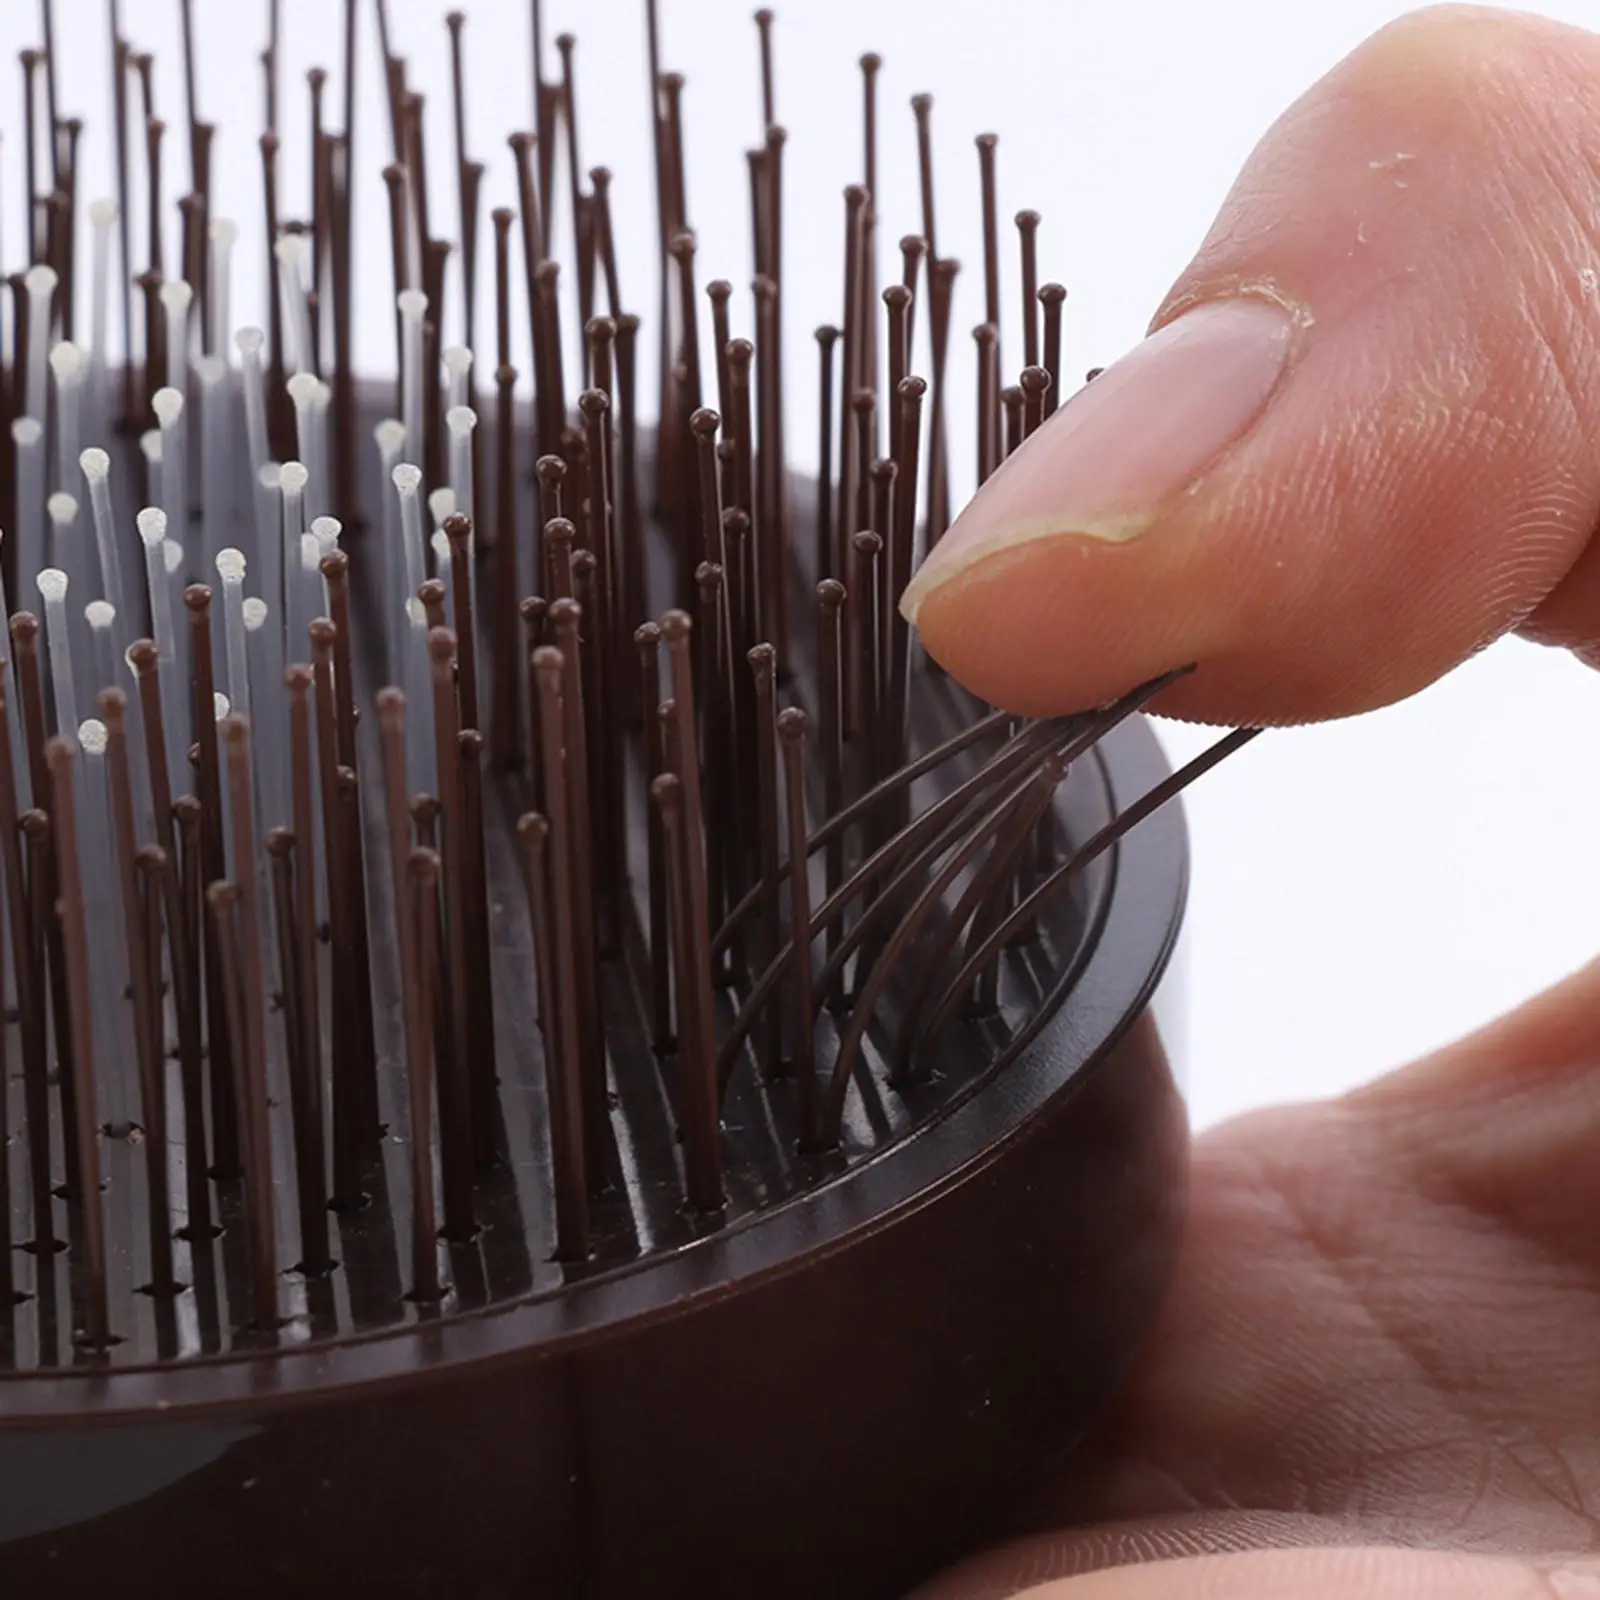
(548,1052)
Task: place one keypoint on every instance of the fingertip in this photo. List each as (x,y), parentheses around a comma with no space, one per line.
(1059,624)
(1062,624)
(1006,627)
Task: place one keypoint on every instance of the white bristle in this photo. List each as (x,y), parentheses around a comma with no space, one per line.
(172,554)
(152,525)
(249,341)
(150,445)
(442,504)
(270,477)
(102,217)
(40,282)
(305,390)
(52,583)
(96,466)
(407,478)
(291,251)
(176,297)
(30,489)
(62,511)
(220,704)
(328,531)
(67,361)
(416,612)
(461,420)
(293,479)
(458,365)
(390,437)
(317,419)
(210,370)
(310,552)
(101,617)
(68,365)
(92,735)
(413,304)
(457,362)
(167,405)
(27,433)
(231,565)
(441,547)
(223,235)
(255,613)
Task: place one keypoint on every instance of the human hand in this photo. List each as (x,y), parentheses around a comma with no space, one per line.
(1364,443)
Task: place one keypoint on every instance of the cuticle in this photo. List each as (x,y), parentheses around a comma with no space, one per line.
(1230,289)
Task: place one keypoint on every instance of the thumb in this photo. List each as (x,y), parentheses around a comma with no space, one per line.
(1353,1574)
(1361,442)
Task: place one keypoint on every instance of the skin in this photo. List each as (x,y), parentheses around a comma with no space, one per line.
(1380,1347)
(1376,1375)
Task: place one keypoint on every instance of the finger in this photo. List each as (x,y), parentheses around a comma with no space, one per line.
(1331,1353)
(1503,1126)
(1275,1574)
(1024,1564)
(1364,440)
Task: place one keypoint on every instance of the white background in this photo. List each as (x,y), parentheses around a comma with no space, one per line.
(1361,892)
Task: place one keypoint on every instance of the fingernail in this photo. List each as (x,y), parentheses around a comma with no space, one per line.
(1111,460)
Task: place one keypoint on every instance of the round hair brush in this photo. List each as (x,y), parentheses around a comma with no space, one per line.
(548,1051)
